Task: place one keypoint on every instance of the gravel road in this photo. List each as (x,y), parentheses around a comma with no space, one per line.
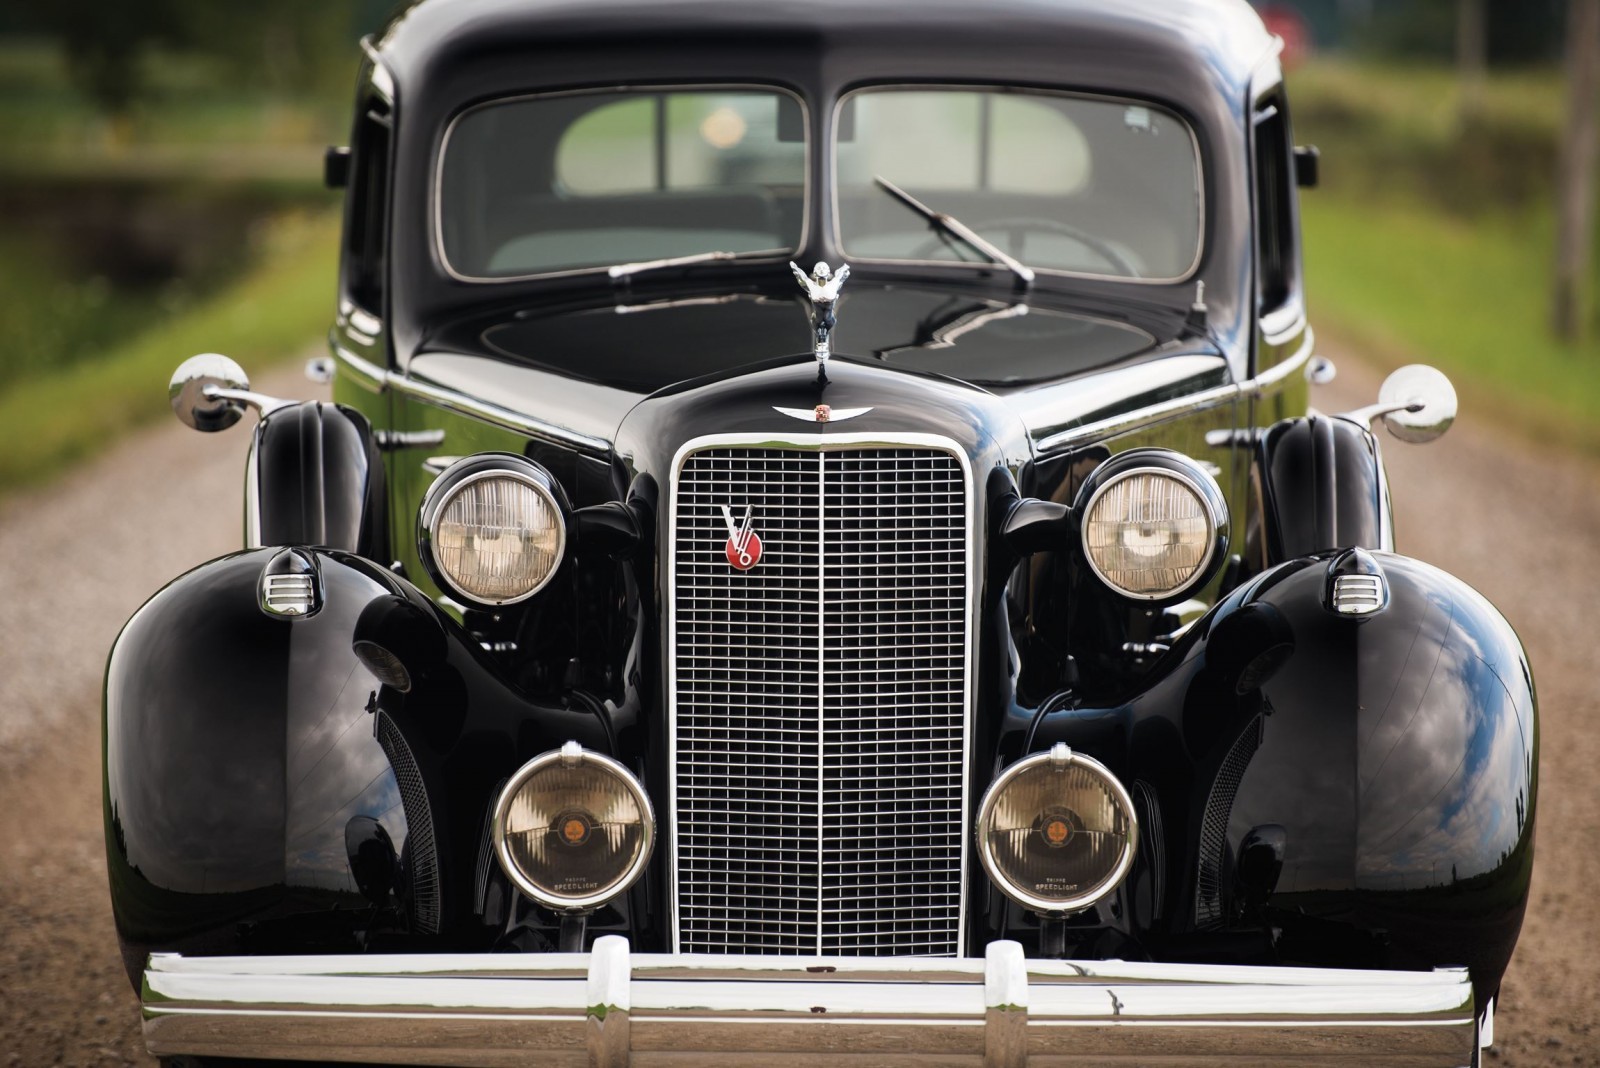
(1520,523)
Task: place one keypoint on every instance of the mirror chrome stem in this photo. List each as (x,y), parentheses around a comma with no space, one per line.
(1366,415)
(259,401)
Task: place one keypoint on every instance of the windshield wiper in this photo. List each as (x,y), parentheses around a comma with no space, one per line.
(958,229)
(623,270)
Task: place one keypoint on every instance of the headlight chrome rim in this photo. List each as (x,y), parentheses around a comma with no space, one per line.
(1180,469)
(461,476)
(576,754)
(1102,889)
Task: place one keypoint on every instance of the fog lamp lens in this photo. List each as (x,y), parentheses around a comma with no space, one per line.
(573,829)
(498,538)
(1057,831)
(1149,533)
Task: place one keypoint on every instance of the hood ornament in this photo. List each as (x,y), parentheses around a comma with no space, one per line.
(822,285)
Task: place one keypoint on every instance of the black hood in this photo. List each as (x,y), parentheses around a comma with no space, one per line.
(646,344)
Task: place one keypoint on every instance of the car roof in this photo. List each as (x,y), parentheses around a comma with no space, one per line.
(1226,36)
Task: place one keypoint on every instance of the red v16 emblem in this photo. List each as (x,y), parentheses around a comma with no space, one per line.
(744,545)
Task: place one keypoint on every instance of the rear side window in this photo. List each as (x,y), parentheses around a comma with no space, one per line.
(1277,261)
(366,233)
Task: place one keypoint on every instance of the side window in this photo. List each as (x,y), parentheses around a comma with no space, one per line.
(365,248)
(1277,262)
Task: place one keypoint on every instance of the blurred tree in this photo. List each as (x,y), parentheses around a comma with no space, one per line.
(1514,31)
(1575,192)
(105,44)
(288,48)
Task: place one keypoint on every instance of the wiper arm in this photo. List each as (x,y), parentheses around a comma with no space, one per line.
(956,228)
(623,270)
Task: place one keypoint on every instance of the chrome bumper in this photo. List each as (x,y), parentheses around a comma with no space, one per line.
(609,1008)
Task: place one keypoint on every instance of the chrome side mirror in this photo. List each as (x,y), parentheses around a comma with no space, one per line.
(1417,404)
(1421,403)
(210,392)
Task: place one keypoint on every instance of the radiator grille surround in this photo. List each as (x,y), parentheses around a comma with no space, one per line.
(818,703)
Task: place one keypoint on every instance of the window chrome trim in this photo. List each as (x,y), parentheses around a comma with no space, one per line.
(831,137)
(819,443)
(1257,386)
(382,81)
(436,194)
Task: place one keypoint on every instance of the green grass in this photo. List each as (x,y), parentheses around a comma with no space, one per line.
(1432,238)
(270,313)
(1401,284)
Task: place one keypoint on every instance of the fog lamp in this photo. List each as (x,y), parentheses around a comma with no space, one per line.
(1057,831)
(573,829)
(493,529)
(1151,532)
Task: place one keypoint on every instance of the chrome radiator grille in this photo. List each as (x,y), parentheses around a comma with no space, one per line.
(819,700)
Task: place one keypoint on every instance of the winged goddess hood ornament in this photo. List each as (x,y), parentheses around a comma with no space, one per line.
(822,285)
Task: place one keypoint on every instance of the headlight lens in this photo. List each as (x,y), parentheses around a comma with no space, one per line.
(1149,533)
(1057,831)
(573,829)
(495,536)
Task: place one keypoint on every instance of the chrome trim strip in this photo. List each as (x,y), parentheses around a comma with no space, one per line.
(369,373)
(490,1009)
(830,136)
(1215,397)
(817,442)
(505,418)
(462,404)
(436,198)
(252,493)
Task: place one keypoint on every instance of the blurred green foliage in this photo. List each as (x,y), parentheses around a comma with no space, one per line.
(181,213)
(273,310)
(288,48)
(1432,236)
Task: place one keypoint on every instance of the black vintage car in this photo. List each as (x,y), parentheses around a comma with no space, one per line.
(675,645)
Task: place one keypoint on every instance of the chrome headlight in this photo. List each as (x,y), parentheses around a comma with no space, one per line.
(1057,831)
(493,528)
(573,829)
(1154,525)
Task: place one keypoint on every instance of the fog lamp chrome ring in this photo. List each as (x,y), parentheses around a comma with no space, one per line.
(571,815)
(1059,819)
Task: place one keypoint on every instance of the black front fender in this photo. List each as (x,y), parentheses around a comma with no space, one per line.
(258,773)
(1397,750)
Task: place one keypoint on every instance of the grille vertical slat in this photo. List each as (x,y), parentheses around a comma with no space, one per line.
(821,701)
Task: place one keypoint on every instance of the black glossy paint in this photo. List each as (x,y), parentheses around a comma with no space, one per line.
(1194,56)
(1323,483)
(1397,752)
(252,807)
(321,480)
(241,746)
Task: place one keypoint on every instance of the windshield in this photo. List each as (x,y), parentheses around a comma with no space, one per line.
(541,185)
(1080,185)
